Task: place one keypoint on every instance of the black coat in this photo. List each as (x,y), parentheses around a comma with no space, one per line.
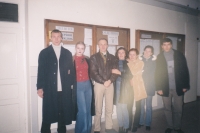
(47,80)
(180,70)
(149,75)
(126,91)
(75,88)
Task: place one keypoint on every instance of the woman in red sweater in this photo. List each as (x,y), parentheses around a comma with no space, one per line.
(84,91)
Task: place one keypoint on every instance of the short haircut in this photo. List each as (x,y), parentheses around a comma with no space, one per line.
(150,47)
(121,48)
(80,42)
(135,50)
(166,40)
(56,31)
(102,39)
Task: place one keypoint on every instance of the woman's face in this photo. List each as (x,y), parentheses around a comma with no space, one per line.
(80,49)
(133,55)
(121,54)
(147,52)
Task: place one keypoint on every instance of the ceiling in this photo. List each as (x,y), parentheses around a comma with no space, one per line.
(191,7)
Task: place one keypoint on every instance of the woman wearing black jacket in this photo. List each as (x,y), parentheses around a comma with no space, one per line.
(123,98)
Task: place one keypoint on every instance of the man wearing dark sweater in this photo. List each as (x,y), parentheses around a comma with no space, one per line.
(172,81)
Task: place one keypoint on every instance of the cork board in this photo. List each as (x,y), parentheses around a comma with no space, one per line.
(78,34)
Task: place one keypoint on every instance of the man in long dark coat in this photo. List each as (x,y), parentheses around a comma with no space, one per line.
(55,77)
(172,81)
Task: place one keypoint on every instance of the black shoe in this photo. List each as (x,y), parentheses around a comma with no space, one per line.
(120,130)
(168,130)
(134,129)
(139,126)
(178,130)
(148,128)
(96,131)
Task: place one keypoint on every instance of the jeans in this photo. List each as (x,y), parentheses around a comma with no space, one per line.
(84,100)
(137,114)
(148,116)
(173,109)
(122,110)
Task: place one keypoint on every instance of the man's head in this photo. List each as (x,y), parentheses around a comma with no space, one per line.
(166,44)
(103,45)
(56,37)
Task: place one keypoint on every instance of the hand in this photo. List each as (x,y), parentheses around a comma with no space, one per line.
(184,90)
(40,93)
(160,92)
(107,83)
(116,71)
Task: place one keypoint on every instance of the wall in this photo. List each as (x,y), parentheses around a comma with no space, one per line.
(198,84)
(122,13)
(14,109)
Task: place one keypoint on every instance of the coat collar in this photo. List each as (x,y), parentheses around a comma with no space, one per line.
(153,57)
(53,54)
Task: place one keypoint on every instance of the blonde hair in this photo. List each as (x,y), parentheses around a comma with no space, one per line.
(80,42)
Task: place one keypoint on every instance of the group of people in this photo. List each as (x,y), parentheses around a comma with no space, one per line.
(73,87)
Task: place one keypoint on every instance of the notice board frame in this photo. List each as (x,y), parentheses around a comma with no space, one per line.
(159,36)
(123,39)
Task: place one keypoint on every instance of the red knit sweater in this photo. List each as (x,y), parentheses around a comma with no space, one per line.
(81,69)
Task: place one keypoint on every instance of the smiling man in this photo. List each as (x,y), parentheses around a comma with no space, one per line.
(55,77)
(101,65)
(172,81)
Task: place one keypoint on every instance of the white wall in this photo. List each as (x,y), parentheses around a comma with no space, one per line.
(122,13)
(18,95)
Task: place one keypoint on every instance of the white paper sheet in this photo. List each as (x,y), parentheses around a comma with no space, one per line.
(145,36)
(112,39)
(67,36)
(62,28)
(88,36)
(174,42)
(111,49)
(119,47)
(71,48)
(110,33)
(151,42)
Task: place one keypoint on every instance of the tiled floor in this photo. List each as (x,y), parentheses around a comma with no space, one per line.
(190,120)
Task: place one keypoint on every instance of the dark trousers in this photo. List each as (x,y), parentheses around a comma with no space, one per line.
(61,123)
(137,114)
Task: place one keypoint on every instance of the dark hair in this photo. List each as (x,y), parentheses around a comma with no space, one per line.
(121,48)
(148,46)
(103,39)
(135,50)
(56,31)
(166,40)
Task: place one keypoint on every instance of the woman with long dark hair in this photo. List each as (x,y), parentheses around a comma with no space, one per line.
(123,98)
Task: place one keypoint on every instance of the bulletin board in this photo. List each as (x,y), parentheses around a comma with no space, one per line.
(154,39)
(89,34)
